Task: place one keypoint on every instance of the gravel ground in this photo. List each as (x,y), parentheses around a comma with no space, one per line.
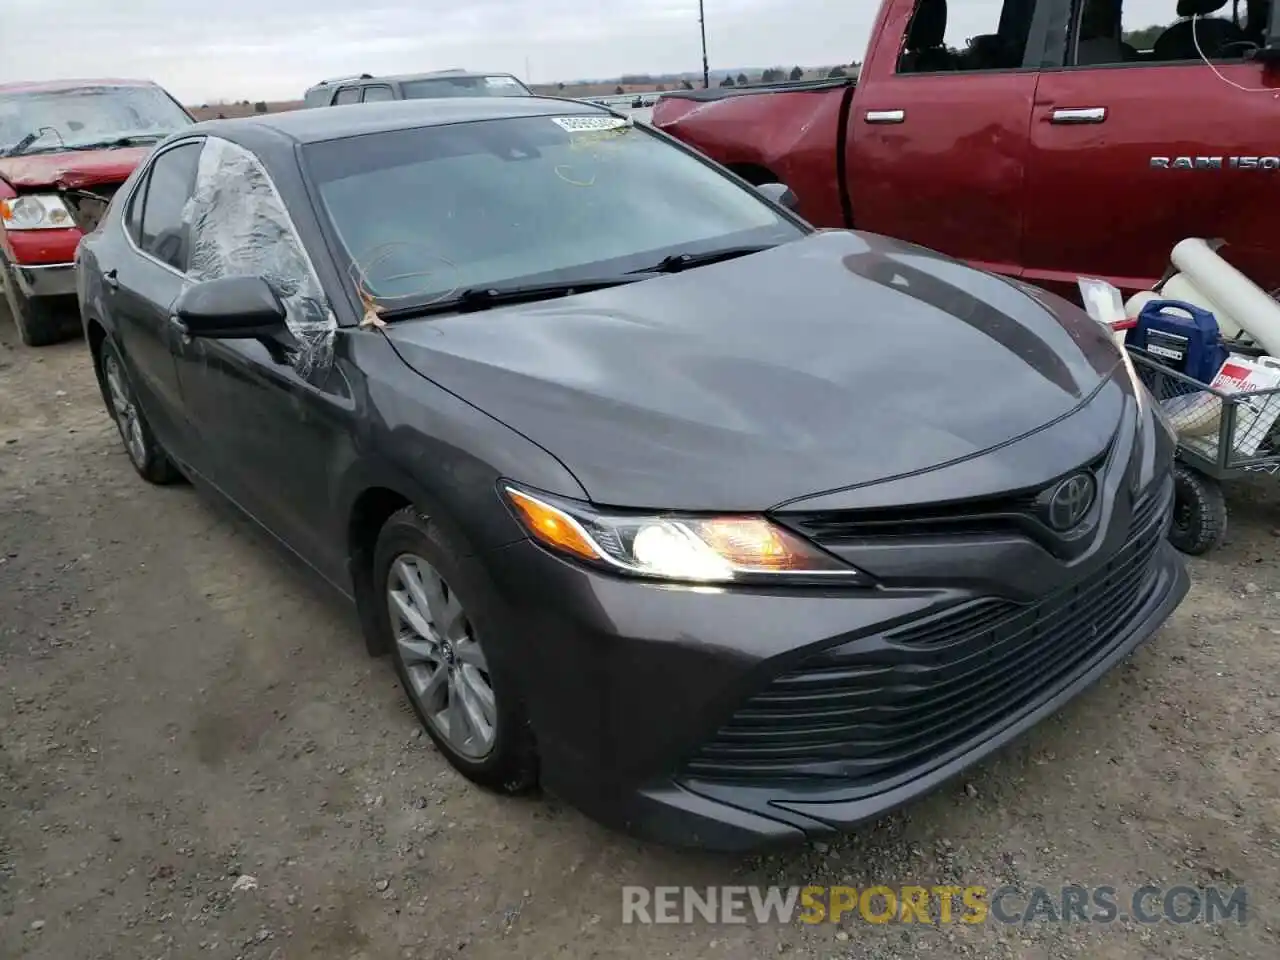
(198,759)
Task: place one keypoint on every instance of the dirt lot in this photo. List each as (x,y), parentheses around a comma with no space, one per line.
(183,712)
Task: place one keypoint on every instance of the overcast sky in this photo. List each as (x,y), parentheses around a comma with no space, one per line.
(274,49)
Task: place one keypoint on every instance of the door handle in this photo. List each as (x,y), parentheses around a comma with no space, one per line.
(1080,115)
(885,116)
(111,279)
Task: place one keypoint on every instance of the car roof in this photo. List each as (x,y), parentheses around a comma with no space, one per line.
(357,119)
(409,77)
(444,75)
(55,86)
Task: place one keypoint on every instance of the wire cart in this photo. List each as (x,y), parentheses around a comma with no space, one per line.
(1221,436)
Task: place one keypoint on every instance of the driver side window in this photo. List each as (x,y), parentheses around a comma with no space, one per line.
(1111,32)
(240,227)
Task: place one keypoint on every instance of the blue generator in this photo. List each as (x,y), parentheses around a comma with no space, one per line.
(1181,336)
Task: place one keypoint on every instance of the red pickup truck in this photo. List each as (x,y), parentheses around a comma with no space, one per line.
(65,148)
(1028,138)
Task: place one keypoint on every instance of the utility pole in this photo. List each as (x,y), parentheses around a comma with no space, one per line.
(702,24)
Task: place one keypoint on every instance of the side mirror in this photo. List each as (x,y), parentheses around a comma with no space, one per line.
(780,193)
(230,308)
(1269,53)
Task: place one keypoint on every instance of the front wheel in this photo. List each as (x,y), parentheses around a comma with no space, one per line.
(442,616)
(1199,512)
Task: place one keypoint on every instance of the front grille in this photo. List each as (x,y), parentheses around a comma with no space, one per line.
(1010,513)
(89,206)
(883,707)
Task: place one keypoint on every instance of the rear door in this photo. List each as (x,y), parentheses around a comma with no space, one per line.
(144,284)
(937,138)
(1130,156)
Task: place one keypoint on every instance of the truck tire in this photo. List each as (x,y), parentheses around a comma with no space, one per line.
(1199,512)
(37,323)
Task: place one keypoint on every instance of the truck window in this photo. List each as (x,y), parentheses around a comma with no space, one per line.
(378,92)
(936,43)
(347,95)
(1109,32)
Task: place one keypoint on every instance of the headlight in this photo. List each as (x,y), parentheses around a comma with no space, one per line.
(1161,416)
(1140,391)
(688,548)
(1146,399)
(36,211)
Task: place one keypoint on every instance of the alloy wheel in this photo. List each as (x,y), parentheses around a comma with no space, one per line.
(444,664)
(125,411)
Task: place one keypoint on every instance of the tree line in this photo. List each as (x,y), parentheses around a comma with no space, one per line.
(781,75)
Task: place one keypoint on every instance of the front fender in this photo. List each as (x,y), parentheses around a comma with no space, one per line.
(434,449)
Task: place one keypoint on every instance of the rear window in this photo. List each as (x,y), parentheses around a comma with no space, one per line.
(424,212)
(497,85)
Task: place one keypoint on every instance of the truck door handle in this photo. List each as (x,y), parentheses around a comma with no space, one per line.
(885,116)
(1081,115)
(111,279)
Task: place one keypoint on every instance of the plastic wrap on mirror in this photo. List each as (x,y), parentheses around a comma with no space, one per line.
(240,227)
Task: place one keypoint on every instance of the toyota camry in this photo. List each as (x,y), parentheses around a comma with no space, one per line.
(725,529)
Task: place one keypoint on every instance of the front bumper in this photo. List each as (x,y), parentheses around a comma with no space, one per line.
(646,699)
(46,280)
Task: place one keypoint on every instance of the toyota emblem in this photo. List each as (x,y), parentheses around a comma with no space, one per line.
(1069,501)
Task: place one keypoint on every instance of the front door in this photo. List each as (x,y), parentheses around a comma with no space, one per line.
(1134,147)
(273,415)
(938,133)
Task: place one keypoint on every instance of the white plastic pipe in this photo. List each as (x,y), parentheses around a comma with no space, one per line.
(1240,299)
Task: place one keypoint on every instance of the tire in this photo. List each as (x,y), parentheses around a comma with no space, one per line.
(508,761)
(1199,512)
(37,322)
(140,444)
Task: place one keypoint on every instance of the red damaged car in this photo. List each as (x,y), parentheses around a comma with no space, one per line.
(66,146)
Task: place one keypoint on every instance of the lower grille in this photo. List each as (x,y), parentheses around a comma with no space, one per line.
(882,707)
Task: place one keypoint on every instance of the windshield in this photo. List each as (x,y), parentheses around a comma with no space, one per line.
(428,212)
(77,118)
(498,85)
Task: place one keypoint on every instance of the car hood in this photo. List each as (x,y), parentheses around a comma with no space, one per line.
(73,170)
(834,361)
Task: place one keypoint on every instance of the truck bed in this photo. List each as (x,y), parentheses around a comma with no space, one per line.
(724,93)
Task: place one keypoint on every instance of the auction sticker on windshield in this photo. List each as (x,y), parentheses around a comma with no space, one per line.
(590,124)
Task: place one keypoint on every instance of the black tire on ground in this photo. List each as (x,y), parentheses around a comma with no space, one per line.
(146,454)
(37,320)
(1199,512)
(511,765)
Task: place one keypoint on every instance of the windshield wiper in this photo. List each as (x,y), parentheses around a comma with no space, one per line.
(683,261)
(21,145)
(485,298)
(133,140)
